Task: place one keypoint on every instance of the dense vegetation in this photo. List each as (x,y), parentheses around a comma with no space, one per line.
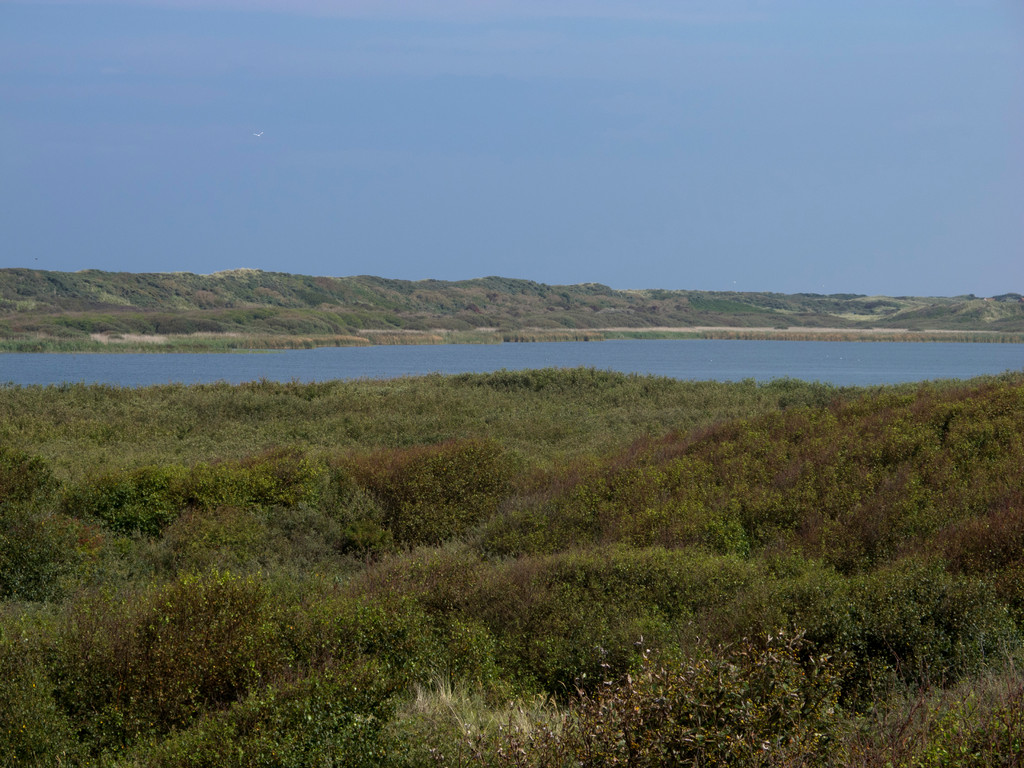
(538,568)
(248,309)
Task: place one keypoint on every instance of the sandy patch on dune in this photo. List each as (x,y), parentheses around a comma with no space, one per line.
(121,338)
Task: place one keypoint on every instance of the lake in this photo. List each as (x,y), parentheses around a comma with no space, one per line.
(834,362)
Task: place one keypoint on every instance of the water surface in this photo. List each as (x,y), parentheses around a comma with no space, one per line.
(834,362)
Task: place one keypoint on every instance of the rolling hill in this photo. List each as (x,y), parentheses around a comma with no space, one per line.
(91,309)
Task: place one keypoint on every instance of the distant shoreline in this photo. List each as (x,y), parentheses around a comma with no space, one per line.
(96,311)
(105,343)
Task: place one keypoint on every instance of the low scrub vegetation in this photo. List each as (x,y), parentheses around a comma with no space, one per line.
(537,568)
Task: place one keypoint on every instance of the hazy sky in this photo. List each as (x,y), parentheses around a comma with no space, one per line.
(866,146)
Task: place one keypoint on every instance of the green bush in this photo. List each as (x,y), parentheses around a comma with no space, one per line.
(275,478)
(144,499)
(979,724)
(22,477)
(33,731)
(329,627)
(405,543)
(559,617)
(41,553)
(147,499)
(432,494)
(908,624)
(760,703)
(147,664)
(859,484)
(973,736)
(918,623)
(223,538)
(336,717)
(360,519)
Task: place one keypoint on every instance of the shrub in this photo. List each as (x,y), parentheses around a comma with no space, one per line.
(328,627)
(629,500)
(127,667)
(915,623)
(560,617)
(979,724)
(760,703)
(144,499)
(859,484)
(359,517)
(33,731)
(22,477)
(221,538)
(280,477)
(40,553)
(431,494)
(147,499)
(336,717)
(988,543)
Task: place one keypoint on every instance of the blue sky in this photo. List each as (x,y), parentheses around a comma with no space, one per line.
(865,146)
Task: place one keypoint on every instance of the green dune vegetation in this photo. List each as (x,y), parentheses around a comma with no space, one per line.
(537,568)
(94,311)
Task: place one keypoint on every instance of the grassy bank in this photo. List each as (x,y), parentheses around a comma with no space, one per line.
(537,568)
(241,342)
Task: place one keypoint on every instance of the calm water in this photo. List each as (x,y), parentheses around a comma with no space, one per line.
(843,363)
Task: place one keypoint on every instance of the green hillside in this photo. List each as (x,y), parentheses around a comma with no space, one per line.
(42,310)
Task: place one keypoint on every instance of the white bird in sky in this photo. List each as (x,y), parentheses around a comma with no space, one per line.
(257,135)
